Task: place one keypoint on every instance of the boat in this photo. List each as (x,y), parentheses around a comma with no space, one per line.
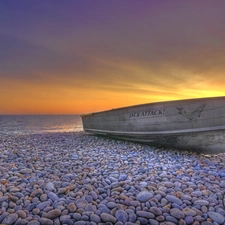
(191,124)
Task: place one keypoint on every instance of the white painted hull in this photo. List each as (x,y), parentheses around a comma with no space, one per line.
(195,124)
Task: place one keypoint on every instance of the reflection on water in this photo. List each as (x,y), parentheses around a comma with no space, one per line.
(28,124)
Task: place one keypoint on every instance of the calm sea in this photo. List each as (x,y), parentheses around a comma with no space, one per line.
(30,124)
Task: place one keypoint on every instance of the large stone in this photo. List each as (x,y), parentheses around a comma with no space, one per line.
(144,196)
(43,205)
(26,170)
(145,214)
(36,193)
(52,214)
(53,196)
(156,211)
(216,217)
(173,199)
(189,212)
(189,220)
(46,221)
(33,222)
(153,222)
(22,214)
(10,219)
(201,202)
(111,205)
(135,203)
(108,218)
(71,207)
(177,213)
(21,222)
(121,216)
(82,222)
(81,203)
(95,218)
(50,186)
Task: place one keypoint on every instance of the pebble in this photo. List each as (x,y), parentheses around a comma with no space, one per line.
(145,214)
(108,218)
(216,217)
(177,213)
(174,199)
(121,215)
(45,221)
(10,219)
(189,220)
(201,202)
(53,196)
(144,196)
(80,179)
(155,210)
(189,212)
(53,214)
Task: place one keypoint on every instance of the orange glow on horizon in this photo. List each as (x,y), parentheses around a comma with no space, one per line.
(81,58)
(81,96)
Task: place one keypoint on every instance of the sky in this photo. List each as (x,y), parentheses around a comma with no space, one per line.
(81,56)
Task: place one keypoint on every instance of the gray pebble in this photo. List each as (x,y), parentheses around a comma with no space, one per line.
(173,199)
(53,196)
(177,213)
(95,218)
(145,214)
(121,216)
(188,219)
(144,196)
(201,202)
(45,221)
(216,217)
(53,214)
(108,218)
(10,219)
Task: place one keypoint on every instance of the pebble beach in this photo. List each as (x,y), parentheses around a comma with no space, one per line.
(76,178)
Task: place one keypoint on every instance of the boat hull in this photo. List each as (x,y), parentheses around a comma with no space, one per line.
(194,124)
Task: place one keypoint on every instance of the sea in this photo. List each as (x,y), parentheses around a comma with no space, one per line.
(33,124)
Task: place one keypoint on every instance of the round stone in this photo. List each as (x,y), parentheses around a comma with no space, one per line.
(189,219)
(53,196)
(53,214)
(21,214)
(177,213)
(157,211)
(121,216)
(81,203)
(173,199)
(10,219)
(95,218)
(111,205)
(108,218)
(216,217)
(71,207)
(45,221)
(189,212)
(144,196)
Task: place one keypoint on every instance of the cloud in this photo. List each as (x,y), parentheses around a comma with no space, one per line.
(152,50)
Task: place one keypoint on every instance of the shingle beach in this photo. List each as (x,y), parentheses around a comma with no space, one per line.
(82,179)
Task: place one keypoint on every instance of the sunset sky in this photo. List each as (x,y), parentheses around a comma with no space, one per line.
(80,56)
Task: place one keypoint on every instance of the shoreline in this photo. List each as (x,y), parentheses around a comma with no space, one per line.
(78,178)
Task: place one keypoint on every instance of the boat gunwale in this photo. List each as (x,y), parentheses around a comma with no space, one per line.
(205,129)
(155,103)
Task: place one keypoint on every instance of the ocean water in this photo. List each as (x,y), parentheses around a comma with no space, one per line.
(31,124)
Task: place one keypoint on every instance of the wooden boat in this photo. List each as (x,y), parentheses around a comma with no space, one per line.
(193,124)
